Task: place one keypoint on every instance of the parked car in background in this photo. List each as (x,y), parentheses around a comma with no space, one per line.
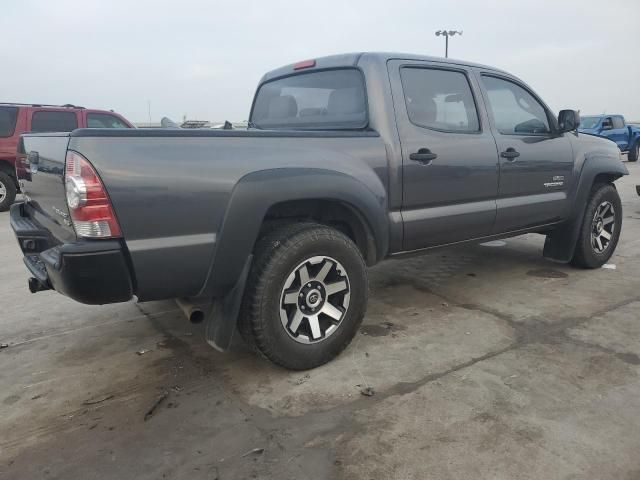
(616,129)
(348,160)
(16,119)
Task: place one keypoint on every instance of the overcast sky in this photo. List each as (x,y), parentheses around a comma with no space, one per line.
(203,58)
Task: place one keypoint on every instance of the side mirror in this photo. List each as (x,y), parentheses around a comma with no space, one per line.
(568,120)
(607,126)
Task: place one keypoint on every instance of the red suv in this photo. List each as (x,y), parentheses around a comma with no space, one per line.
(16,119)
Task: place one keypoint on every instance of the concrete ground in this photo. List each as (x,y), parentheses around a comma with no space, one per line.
(486,362)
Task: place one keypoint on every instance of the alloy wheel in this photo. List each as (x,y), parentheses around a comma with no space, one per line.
(314,299)
(602,227)
(3,192)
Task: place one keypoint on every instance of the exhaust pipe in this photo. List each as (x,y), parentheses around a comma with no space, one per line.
(194,312)
(36,285)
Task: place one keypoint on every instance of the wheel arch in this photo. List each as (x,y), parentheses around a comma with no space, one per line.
(560,244)
(335,213)
(7,167)
(292,194)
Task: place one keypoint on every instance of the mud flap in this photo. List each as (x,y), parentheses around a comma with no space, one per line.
(222,317)
(560,245)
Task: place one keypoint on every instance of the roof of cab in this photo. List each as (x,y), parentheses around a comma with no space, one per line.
(41,105)
(352,59)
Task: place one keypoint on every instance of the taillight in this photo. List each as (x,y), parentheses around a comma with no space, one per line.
(88,202)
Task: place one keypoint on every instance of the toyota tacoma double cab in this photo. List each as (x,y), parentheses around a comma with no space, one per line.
(616,129)
(348,160)
(18,118)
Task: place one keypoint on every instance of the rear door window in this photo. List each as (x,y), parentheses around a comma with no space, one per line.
(322,100)
(53,121)
(439,99)
(104,120)
(8,117)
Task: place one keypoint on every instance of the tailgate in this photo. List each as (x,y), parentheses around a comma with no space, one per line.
(41,177)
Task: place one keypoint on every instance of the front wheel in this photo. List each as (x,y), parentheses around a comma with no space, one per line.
(7,191)
(306,295)
(634,151)
(600,229)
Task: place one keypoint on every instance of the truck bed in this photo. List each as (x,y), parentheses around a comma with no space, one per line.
(171,191)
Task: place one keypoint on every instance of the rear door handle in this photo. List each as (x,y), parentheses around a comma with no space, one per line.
(423,156)
(510,154)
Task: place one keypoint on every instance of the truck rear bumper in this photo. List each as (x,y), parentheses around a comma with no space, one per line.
(91,272)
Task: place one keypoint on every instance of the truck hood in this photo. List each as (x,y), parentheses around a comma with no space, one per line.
(594,145)
(597,142)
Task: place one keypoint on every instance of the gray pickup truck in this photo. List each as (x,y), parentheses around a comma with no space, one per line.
(348,160)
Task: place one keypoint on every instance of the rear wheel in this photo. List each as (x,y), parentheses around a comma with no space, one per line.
(634,151)
(7,191)
(600,229)
(306,295)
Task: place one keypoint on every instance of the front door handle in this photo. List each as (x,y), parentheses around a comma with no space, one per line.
(423,156)
(510,154)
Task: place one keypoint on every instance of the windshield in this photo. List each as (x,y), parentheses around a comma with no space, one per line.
(326,100)
(589,122)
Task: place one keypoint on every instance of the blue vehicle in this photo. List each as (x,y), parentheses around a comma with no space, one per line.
(614,127)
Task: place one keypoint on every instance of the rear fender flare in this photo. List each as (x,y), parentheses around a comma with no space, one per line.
(255,193)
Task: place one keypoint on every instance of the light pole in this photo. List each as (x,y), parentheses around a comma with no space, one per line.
(446,34)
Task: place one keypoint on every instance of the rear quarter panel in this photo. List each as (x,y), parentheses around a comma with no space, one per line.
(171,194)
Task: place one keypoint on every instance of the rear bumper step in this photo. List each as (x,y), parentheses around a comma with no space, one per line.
(91,272)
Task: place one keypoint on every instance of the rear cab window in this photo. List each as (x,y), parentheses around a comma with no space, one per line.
(320,100)
(104,120)
(53,121)
(8,118)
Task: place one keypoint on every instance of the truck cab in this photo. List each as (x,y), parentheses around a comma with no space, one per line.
(615,128)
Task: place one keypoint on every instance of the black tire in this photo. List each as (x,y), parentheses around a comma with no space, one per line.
(634,151)
(276,257)
(586,254)
(7,191)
